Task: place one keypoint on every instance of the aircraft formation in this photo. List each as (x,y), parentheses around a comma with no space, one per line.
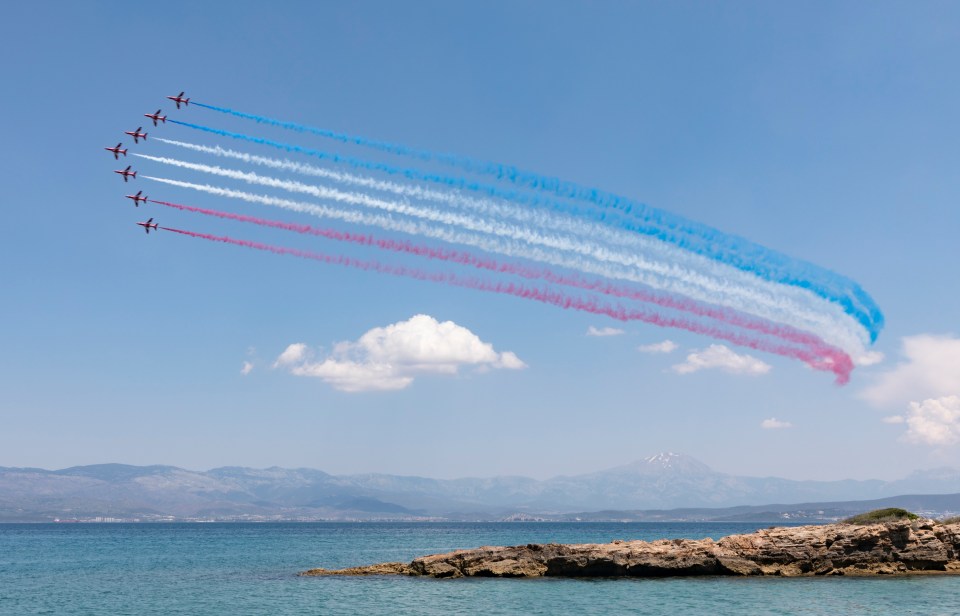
(137,135)
(493,228)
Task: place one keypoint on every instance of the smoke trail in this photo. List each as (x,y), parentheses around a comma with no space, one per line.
(484,206)
(415,192)
(727,316)
(773,311)
(713,272)
(700,239)
(663,270)
(563,189)
(841,371)
(466,222)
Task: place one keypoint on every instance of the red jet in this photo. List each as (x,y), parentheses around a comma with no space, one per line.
(155,116)
(116,151)
(179,99)
(136,134)
(126,173)
(137,198)
(147,226)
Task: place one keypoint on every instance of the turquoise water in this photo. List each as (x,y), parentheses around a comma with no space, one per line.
(250,569)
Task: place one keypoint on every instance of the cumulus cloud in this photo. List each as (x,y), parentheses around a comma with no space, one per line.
(931,368)
(667,346)
(389,358)
(721,357)
(775,424)
(935,421)
(604,331)
(246,369)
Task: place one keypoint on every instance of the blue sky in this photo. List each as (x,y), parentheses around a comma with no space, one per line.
(826,131)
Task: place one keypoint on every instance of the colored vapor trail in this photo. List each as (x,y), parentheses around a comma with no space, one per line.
(729,317)
(699,239)
(566,190)
(590,260)
(713,278)
(555,298)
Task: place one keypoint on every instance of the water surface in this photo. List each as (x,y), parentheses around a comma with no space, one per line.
(250,569)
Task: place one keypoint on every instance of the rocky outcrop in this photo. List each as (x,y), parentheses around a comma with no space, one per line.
(902,547)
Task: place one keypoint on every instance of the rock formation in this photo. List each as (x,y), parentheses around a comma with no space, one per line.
(901,547)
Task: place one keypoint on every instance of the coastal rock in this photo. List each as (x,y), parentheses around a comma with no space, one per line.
(380,569)
(902,547)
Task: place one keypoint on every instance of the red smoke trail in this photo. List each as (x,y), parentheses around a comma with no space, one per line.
(725,315)
(830,363)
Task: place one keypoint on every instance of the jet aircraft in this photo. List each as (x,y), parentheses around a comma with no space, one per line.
(126,173)
(147,226)
(155,116)
(179,99)
(116,151)
(137,198)
(136,134)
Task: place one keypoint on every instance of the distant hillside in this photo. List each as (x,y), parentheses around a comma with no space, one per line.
(664,481)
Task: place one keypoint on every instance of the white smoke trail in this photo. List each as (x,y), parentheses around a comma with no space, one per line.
(717,276)
(798,317)
(471,223)
(486,207)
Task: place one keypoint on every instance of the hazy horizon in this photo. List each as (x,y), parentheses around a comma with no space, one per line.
(584,471)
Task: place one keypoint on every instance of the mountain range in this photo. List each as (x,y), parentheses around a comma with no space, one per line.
(664,481)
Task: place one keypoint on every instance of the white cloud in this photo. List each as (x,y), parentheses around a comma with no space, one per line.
(931,369)
(667,346)
(352,376)
(893,419)
(294,354)
(604,331)
(246,369)
(935,421)
(775,424)
(389,358)
(720,357)
(510,361)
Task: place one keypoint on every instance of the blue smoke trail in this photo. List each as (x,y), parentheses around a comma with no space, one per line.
(300,128)
(694,237)
(501,172)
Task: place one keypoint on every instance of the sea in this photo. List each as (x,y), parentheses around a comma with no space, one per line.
(241,569)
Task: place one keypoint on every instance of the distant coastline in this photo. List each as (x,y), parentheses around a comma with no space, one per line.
(660,488)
